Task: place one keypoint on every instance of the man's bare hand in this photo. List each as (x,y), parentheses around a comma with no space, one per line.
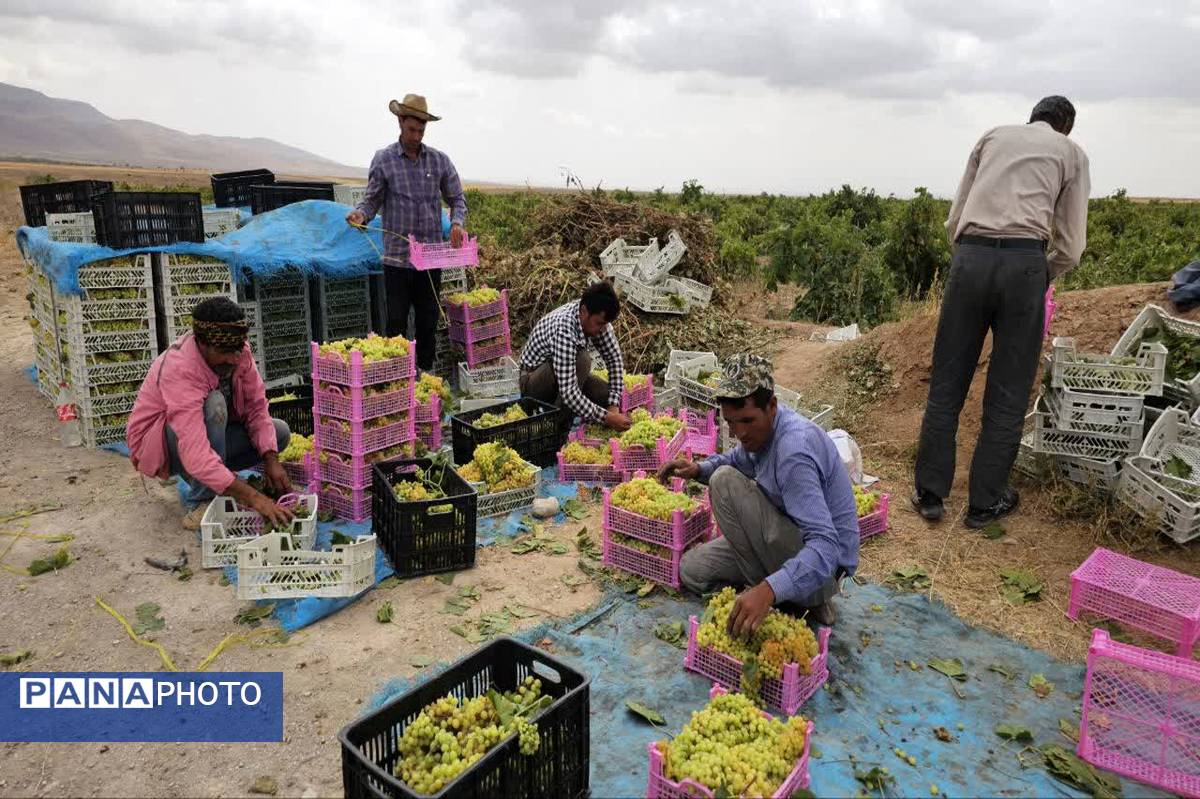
(688,470)
(277,515)
(616,420)
(277,479)
(456,235)
(356,217)
(750,609)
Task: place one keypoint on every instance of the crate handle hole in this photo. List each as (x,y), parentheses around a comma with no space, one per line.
(546,672)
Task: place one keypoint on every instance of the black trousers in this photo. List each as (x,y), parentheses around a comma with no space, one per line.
(1001,290)
(408,288)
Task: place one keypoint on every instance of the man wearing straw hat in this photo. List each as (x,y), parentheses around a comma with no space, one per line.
(409,180)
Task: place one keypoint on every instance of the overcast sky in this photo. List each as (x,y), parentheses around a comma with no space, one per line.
(788,96)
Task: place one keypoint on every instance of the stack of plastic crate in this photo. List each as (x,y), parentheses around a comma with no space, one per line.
(43,320)
(362,412)
(108,339)
(344,305)
(78,228)
(219,221)
(480,330)
(285,324)
(1162,483)
(642,274)
(185,281)
(652,548)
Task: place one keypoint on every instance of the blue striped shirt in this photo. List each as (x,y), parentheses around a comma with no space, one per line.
(410,192)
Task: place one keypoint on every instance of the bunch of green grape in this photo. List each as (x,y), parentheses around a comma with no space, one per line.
(864,500)
(500,467)
(480,296)
(431,384)
(450,735)
(730,747)
(118,388)
(114,294)
(119,326)
(191,289)
(406,450)
(779,640)
(575,452)
(491,342)
(418,489)
(122,356)
(513,413)
(638,544)
(646,430)
(373,348)
(631,381)
(647,497)
(298,446)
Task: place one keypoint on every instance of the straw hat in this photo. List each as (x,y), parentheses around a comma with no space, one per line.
(413,105)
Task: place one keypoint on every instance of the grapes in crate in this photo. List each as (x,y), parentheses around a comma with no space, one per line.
(647,497)
(298,446)
(480,296)
(646,430)
(779,640)
(500,467)
(429,385)
(373,348)
(731,748)
(865,501)
(576,453)
(631,381)
(513,413)
(450,735)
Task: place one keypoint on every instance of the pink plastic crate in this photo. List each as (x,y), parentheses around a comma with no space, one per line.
(360,441)
(463,314)
(1050,306)
(659,787)
(441,255)
(637,457)
(640,397)
(580,434)
(650,567)
(429,415)
(352,404)
(786,695)
(477,355)
(876,521)
(1150,598)
(1141,715)
(351,504)
(348,471)
(357,373)
(586,472)
(702,430)
(462,335)
(675,534)
(300,472)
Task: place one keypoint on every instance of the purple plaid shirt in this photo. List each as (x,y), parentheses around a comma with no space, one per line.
(410,193)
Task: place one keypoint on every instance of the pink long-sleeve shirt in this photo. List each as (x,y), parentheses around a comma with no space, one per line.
(173,393)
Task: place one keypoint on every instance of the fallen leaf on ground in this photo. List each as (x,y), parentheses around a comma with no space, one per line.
(148,619)
(519,612)
(575,509)
(1069,729)
(15,658)
(951,667)
(389,582)
(456,606)
(265,785)
(445,578)
(647,589)
(673,633)
(910,578)
(1014,732)
(992,530)
(1068,768)
(59,560)
(1004,671)
(384,614)
(649,714)
(1020,586)
(1041,686)
(338,538)
(253,615)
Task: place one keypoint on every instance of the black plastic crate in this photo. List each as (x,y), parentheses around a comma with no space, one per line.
(558,770)
(298,412)
(232,189)
(536,439)
(415,539)
(128,219)
(265,198)
(66,197)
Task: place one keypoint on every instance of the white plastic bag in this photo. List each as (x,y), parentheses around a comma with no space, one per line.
(851,455)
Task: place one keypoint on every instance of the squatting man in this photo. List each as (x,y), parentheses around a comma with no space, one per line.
(784,504)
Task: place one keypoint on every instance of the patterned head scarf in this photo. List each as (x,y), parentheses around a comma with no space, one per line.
(744,374)
(228,336)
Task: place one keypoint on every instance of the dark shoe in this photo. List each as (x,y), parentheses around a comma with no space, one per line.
(928,504)
(981,517)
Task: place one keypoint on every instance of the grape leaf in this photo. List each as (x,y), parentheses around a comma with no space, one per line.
(384,614)
(1041,686)
(253,615)
(519,612)
(649,714)
(1177,467)
(389,582)
(575,509)
(340,538)
(1021,586)
(585,545)
(673,633)
(445,578)
(59,560)
(911,578)
(420,663)
(951,667)
(472,635)
(148,619)
(469,592)
(15,658)
(646,589)
(992,530)
(1068,768)
(1069,729)
(1004,671)
(456,606)
(1014,732)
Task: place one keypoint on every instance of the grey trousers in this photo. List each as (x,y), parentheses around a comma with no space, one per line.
(1001,290)
(229,440)
(542,384)
(756,540)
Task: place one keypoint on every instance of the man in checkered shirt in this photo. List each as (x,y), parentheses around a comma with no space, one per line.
(409,180)
(556,366)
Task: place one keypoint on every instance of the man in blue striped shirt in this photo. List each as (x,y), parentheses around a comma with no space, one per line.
(784,503)
(409,180)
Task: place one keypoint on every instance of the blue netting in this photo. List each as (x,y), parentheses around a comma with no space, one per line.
(311,236)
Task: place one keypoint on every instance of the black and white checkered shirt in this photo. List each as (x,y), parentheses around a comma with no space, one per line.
(558,338)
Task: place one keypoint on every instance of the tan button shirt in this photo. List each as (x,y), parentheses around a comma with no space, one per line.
(1023,181)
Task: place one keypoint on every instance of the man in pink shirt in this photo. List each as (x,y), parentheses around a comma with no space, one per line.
(202,414)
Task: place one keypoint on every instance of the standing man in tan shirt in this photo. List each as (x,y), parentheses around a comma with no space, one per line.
(1025,189)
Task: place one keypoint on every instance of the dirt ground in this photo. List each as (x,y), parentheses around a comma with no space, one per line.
(333,667)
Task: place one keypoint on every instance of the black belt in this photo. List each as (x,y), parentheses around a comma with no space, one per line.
(1003,244)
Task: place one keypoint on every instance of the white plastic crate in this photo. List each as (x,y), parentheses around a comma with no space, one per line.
(85,378)
(679,360)
(618,253)
(1138,373)
(652,299)
(1174,435)
(653,270)
(1183,388)
(272,566)
(1171,503)
(489,381)
(219,221)
(79,228)
(1049,440)
(503,503)
(348,194)
(694,292)
(1085,410)
(226,525)
(467,404)
(1091,422)
(1028,462)
(1101,475)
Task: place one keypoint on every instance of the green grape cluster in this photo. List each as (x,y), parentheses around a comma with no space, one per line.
(431,384)
(730,747)
(575,452)
(500,467)
(373,348)
(864,501)
(646,430)
(648,497)
(638,544)
(779,640)
(513,413)
(421,487)
(631,381)
(118,388)
(298,446)
(406,450)
(119,326)
(480,296)
(114,294)
(450,734)
(191,289)
(282,398)
(122,356)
